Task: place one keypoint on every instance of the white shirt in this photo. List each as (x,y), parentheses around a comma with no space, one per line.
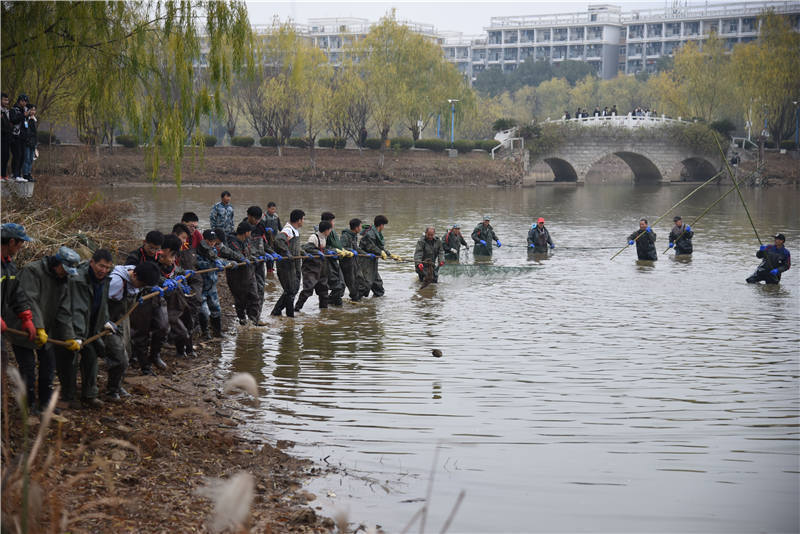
(290,231)
(120,274)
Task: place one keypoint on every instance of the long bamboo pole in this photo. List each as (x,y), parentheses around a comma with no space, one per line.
(736,185)
(681,201)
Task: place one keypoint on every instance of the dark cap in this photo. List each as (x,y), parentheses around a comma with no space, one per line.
(243,228)
(23,97)
(209,235)
(779,236)
(676,218)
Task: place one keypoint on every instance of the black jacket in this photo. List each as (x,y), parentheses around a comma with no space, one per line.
(645,245)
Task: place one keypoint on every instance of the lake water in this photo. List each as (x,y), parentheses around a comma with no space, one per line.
(575,393)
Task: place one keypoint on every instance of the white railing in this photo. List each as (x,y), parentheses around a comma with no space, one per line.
(626,121)
(508,143)
(744,142)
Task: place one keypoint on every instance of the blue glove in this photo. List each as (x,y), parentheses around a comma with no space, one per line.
(170,285)
(649,229)
(532,245)
(762,248)
(482,242)
(186,289)
(268,230)
(774,272)
(188,274)
(354,251)
(499,244)
(552,246)
(688,228)
(277,256)
(371,255)
(219,263)
(671,245)
(630,242)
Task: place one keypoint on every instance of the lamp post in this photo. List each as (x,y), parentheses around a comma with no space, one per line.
(796,124)
(452,120)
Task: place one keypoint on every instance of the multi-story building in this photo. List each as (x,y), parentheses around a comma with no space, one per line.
(592,36)
(654,33)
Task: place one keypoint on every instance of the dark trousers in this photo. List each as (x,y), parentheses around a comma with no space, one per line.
(26,360)
(261,281)
(67,372)
(335,281)
(291,285)
(763,275)
(17,156)
(69,363)
(245,296)
(353,278)
(5,152)
(149,329)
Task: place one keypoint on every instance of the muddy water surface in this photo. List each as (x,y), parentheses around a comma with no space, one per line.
(574,393)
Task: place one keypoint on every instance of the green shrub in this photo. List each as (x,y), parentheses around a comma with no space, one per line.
(464,145)
(299,142)
(242,140)
(128,141)
(437,145)
(401,143)
(487,144)
(45,137)
(788,144)
(373,143)
(503,124)
(530,131)
(332,142)
(209,140)
(268,141)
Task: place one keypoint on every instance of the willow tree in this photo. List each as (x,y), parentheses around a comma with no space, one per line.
(768,75)
(131,62)
(348,108)
(699,84)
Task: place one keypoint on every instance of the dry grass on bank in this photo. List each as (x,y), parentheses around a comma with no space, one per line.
(79,218)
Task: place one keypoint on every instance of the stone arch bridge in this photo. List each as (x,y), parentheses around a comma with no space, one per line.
(650,160)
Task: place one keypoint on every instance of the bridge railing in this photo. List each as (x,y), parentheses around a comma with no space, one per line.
(630,121)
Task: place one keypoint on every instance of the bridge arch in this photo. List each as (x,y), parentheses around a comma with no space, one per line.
(562,170)
(695,169)
(643,168)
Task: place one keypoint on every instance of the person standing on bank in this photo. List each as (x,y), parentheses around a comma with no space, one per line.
(539,237)
(88,292)
(221,216)
(287,243)
(680,237)
(18,115)
(429,255)
(45,282)
(482,235)
(452,243)
(646,244)
(776,260)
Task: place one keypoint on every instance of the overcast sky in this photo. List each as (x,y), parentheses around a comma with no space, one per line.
(469,17)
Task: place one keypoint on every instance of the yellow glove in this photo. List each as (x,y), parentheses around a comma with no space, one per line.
(74,344)
(41,337)
(348,254)
(341,253)
(383,254)
(395,258)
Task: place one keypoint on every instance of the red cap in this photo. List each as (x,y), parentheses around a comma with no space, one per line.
(541,219)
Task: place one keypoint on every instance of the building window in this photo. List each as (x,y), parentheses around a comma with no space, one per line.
(669,48)
(673,29)
(495,38)
(636,31)
(509,67)
(653,49)
(593,50)
(594,33)
(576,52)
(510,37)
(527,36)
(691,28)
(510,54)
(542,52)
(560,34)
(730,26)
(654,30)
(542,36)
(494,55)
(634,50)
(576,34)
(559,52)
(525,52)
(749,24)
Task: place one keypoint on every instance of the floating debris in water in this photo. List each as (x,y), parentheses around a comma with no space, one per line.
(436,353)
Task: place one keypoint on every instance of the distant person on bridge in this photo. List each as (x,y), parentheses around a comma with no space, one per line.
(567,115)
(452,242)
(482,235)
(645,240)
(539,237)
(776,260)
(680,237)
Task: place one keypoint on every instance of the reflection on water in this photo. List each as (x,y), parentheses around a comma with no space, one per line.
(573,393)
